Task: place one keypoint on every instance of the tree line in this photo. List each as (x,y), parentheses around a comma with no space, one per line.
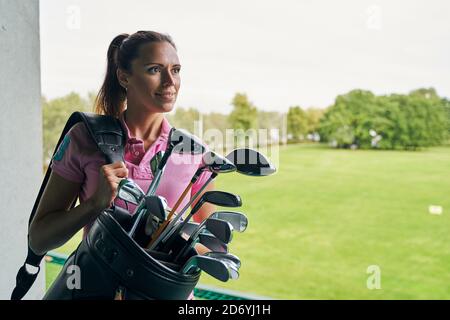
(357,119)
(360,119)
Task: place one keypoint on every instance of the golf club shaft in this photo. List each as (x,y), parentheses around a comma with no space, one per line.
(183,223)
(151,190)
(194,179)
(134,227)
(141,212)
(172,212)
(191,241)
(170,230)
(189,244)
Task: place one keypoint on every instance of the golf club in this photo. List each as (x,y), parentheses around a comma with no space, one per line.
(221,255)
(157,206)
(154,214)
(220,198)
(155,161)
(237,219)
(221,229)
(212,243)
(233,269)
(129,191)
(180,141)
(214,267)
(211,162)
(250,162)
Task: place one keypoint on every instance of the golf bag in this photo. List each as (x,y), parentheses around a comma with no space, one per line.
(108,263)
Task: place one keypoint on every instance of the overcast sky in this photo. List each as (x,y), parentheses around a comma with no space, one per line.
(280,53)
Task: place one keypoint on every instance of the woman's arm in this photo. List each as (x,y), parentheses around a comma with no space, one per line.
(54,224)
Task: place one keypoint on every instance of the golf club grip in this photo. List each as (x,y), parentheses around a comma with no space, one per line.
(166,222)
(165,157)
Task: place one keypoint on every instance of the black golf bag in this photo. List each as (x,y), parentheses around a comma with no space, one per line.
(108,263)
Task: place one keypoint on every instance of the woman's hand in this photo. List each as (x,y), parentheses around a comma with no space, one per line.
(108,180)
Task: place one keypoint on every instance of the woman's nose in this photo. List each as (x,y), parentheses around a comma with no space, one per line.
(168,78)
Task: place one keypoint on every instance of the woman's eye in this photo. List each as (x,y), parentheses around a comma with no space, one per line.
(154,69)
(177,70)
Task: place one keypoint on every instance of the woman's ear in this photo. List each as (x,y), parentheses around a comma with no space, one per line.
(122,76)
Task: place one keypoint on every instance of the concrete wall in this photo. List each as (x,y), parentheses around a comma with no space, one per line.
(20,136)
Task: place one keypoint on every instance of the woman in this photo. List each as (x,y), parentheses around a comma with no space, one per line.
(141,84)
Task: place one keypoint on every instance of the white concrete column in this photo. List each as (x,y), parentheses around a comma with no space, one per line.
(20,136)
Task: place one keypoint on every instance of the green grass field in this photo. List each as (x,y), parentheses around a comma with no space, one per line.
(327,215)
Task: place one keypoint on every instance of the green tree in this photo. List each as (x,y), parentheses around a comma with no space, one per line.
(270,120)
(446,105)
(350,119)
(430,123)
(313,116)
(185,118)
(244,115)
(55,114)
(216,121)
(297,123)
(412,121)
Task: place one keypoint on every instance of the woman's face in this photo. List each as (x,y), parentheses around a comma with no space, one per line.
(155,77)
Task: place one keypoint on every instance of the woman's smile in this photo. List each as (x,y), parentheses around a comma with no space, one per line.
(166,96)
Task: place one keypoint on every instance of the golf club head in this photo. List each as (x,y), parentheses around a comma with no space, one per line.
(139,226)
(129,191)
(221,198)
(214,267)
(185,143)
(157,209)
(223,230)
(157,205)
(151,225)
(190,227)
(251,162)
(217,164)
(212,243)
(234,273)
(227,256)
(237,219)
(233,270)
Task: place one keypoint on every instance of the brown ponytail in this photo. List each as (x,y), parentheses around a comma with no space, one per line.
(123,49)
(111,97)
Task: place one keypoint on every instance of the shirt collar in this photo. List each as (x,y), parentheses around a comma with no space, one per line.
(164,134)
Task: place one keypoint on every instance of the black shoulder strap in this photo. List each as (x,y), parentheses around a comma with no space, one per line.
(109,136)
(107,133)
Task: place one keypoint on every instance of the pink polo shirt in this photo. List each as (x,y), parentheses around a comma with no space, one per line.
(79,160)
